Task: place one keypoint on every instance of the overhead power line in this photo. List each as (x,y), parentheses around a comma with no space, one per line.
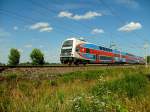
(53,11)
(118,17)
(121,20)
(33,21)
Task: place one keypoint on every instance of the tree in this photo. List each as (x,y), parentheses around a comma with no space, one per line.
(37,57)
(148,59)
(14,57)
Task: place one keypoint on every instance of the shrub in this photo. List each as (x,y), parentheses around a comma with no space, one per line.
(14,57)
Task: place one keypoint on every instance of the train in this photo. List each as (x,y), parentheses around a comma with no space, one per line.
(78,51)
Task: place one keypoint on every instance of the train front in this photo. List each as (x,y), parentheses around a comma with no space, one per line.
(66,55)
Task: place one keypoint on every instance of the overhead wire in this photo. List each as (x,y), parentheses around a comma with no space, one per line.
(117,16)
(31,20)
(53,11)
(121,20)
(48,9)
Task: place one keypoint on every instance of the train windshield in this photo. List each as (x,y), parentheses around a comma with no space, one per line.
(66,52)
(68,43)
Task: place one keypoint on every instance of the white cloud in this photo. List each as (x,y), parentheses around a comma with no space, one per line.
(87,15)
(15,28)
(129,3)
(3,33)
(130,27)
(97,30)
(49,29)
(65,14)
(41,26)
(28,46)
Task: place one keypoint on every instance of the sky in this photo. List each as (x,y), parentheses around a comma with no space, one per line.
(45,24)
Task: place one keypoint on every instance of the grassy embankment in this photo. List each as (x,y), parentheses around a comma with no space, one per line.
(103,90)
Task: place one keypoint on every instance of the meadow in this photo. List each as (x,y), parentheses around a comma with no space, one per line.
(125,89)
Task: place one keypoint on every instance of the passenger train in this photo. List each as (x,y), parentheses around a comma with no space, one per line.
(77,51)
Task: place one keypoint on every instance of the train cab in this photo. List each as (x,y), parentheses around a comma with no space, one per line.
(68,53)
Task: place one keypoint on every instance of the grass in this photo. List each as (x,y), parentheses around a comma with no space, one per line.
(103,90)
(131,85)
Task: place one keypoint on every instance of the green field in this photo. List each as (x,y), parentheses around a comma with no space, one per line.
(125,89)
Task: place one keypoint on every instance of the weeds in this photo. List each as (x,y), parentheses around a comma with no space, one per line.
(11,76)
(53,83)
(95,104)
(130,85)
(111,90)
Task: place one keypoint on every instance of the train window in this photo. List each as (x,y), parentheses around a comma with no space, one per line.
(66,51)
(100,48)
(87,50)
(109,50)
(68,43)
(105,58)
(106,49)
(94,57)
(77,49)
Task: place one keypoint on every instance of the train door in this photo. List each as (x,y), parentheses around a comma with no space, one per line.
(97,58)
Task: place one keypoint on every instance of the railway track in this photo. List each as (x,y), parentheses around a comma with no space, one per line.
(3,68)
(49,72)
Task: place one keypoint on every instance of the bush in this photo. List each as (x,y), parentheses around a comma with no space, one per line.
(14,57)
(37,57)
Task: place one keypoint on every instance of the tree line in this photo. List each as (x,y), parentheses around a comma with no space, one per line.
(36,56)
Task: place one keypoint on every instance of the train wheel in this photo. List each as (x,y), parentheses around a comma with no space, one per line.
(70,63)
(84,64)
(76,63)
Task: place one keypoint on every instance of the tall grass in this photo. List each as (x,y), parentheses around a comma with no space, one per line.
(131,85)
(82,75)
(102,90)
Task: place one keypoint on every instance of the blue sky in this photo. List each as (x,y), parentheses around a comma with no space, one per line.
(44,24)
